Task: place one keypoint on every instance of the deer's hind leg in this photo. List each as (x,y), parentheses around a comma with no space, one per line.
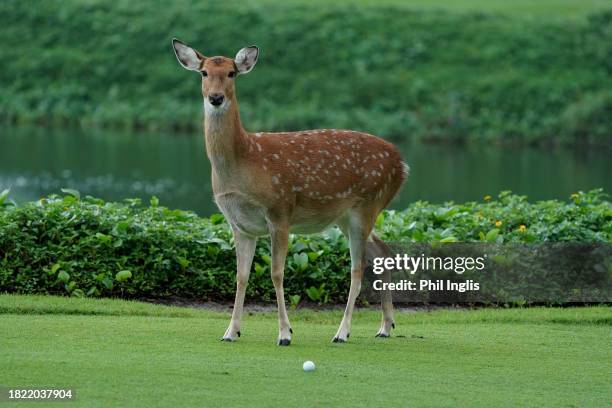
(279,240)
(357,225)
(380,249)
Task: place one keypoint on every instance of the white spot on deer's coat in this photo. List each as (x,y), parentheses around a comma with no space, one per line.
(258,146)
(276,179)
(258,134)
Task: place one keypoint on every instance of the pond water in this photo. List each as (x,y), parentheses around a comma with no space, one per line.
(114,165)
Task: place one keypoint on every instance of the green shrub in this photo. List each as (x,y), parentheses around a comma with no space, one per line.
(588,119)
(387,70)
(87,247)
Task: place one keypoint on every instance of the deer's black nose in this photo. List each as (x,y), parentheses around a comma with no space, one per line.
(216,99)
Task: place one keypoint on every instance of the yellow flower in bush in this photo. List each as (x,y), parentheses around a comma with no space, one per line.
(487,198)
(574,196)
(522,228)
(498,223)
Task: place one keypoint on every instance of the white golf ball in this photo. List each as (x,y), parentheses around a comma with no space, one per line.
(308,366)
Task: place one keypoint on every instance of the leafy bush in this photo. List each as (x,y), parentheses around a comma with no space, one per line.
(387,70)
(87,247)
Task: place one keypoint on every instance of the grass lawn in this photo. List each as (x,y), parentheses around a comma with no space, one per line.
(117,353)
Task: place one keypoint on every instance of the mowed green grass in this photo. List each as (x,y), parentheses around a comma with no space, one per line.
(117,353)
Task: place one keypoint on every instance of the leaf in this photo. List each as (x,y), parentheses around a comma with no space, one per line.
(77,293)
(122,276)
(333,234)
(217,218)
(121,227)
(184,262)
(294,300)
(266,259)
(63,276)
(108,283)
(380,219)
(449,239)
(154,202)
(55,268)
(301,260)
(103,237)
(313,293)
(299,246)
(4,195)
(492,235)
(444,213)
(259,269)
(313,256)
(72,192)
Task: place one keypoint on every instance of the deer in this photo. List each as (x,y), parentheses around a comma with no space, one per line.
(276,184)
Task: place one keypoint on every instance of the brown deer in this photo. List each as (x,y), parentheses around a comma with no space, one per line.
(291,182)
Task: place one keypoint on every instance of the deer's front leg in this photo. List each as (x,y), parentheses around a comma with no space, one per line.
(245,249)
(279,237)
(357,237)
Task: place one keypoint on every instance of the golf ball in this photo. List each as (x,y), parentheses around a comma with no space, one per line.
(308,366)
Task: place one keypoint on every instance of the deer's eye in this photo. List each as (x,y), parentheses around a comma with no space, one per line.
(204,73)
(232,74)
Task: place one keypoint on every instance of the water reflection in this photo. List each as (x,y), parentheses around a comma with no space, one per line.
(115,165)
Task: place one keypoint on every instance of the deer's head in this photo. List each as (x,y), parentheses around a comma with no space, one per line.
(218,73)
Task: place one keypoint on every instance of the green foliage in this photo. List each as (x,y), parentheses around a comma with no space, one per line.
(510,218)
(87,247)
(384,69)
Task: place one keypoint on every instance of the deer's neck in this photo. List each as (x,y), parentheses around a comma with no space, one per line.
(225,138)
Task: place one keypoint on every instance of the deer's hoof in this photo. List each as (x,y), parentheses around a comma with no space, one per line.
(284,342)
(338,340)
(228,339)
(383,335)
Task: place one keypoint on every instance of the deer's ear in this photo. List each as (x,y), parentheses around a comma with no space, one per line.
(187,56)
(246,59)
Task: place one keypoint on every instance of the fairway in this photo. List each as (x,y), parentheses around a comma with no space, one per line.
(117,353)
